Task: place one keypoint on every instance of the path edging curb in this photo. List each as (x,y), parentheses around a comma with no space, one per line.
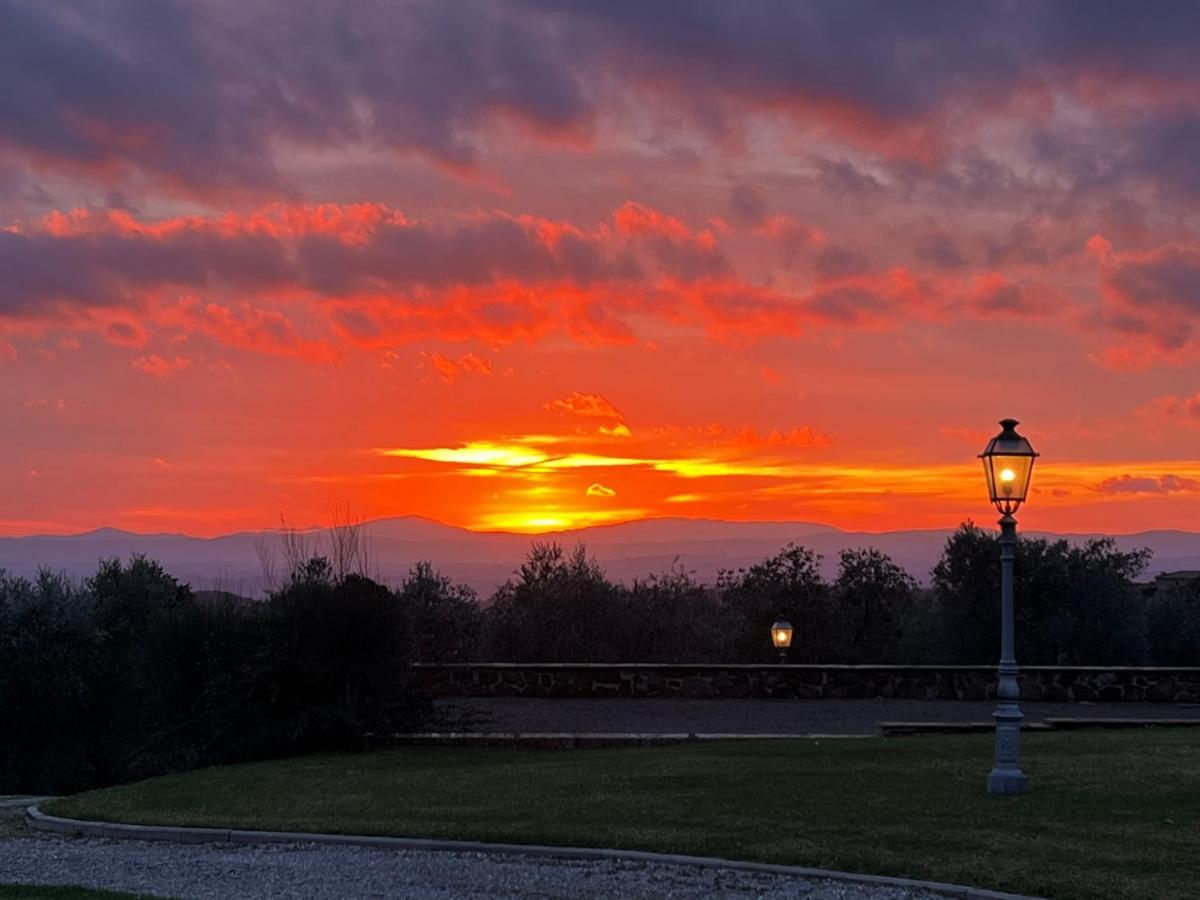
(41,821)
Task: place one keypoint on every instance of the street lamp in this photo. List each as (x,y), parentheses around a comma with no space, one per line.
(1008,464)
(781,637)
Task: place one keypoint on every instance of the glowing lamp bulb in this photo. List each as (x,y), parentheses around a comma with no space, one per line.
(1006,481)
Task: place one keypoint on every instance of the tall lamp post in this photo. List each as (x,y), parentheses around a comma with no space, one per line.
(1008,464)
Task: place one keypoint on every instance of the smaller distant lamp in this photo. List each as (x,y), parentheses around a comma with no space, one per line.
(781,637)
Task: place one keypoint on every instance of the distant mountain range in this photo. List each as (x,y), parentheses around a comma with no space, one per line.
(485,559)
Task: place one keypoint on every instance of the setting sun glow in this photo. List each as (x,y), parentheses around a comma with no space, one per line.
(743,267)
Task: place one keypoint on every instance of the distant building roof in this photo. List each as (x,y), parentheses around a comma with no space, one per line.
(1181,575)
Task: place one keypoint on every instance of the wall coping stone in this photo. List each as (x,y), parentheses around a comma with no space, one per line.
(812,667)
(808,681)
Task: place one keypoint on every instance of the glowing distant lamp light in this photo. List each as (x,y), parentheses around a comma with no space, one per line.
(781,637)
(1008,464)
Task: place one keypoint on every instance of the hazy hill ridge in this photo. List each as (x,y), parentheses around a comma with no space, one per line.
(484,559)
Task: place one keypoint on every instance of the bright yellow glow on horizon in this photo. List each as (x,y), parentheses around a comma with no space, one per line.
(477,453)
(544,520)
(531,489)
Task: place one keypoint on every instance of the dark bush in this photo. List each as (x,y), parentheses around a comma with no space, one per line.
(51,687)
(329,665)
(1076,604)
(446,618)
(673,619)
(131,676)
(787,585)
(873,603)
(559,608)
(1174,625)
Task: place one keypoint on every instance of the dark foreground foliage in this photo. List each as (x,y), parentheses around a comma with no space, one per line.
(1076,605)
(130,675)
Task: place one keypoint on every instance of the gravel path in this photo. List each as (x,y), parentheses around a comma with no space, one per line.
(672,716)
(231,872)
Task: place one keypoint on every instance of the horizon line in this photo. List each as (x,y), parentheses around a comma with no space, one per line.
(313,528)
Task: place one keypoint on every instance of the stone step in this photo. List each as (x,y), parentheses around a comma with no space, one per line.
(1069,723)
(573,740)
(898,729)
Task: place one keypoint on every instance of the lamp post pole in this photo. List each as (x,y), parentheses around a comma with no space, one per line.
(1006,776)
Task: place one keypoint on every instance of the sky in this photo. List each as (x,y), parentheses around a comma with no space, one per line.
(538,265)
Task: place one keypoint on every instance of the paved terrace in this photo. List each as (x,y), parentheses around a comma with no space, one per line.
(751,716)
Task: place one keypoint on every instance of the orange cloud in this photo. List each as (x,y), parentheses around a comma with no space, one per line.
(1149,301)
(1185,410)
(1162,484)
(158,366)
(450,369)
(584,405)
(803,437)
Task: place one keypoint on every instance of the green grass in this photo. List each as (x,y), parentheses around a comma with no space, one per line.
(1111,814)
(62,892)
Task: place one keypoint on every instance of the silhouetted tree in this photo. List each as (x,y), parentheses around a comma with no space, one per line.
(871,597)
(789,585)
(129,675)
(152,659)
(1074,604)
(446,618)
(1174,625)
(333,666)
(52,691)
(673,619)
(558,608)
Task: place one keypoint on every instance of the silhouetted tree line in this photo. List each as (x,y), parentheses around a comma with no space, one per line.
(1076,605)
(131,674)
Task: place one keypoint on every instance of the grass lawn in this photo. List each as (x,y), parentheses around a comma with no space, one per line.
(61,892)
(1111,814)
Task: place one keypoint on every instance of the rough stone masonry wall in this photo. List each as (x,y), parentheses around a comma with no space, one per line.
(1058,683)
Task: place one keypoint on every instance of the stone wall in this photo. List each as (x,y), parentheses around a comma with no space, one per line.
(579,680)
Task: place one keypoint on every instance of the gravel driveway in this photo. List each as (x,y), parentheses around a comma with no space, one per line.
(233,872)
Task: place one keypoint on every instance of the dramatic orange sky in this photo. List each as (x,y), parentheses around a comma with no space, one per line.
(529,266)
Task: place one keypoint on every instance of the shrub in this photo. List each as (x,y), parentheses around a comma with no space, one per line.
(1174,625)
(130,676)
(786,585)
(872,598)
(673,619)
(51,686)
(320,666)
(445,617)
(1074,604)
(559,608)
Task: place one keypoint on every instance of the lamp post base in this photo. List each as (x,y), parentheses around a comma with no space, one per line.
(1007,781)
(1006,776)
